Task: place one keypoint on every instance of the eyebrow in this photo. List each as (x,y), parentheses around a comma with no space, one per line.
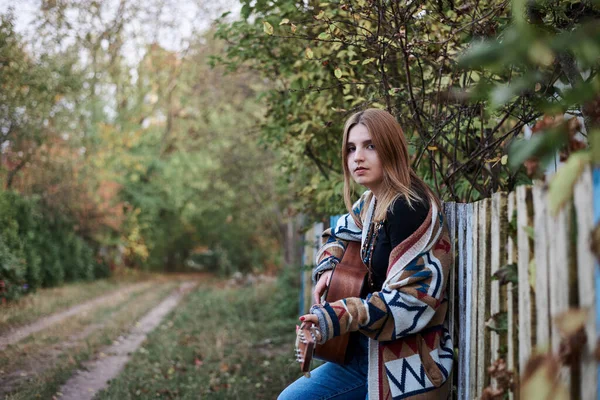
(364,142)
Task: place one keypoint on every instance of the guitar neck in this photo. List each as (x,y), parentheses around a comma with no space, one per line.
(305,346)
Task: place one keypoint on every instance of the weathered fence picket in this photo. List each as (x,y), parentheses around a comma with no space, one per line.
(463,215)
(585,280)
(511,298)
(523,263)
(541,249)
(517,230)
(483,293)
(472,309)
(496,233)
(450,213)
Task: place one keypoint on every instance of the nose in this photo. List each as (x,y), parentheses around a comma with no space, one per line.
(358,155)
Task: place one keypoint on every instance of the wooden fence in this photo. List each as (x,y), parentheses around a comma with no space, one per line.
(555,268)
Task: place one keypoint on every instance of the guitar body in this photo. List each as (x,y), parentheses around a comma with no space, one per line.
(346,281)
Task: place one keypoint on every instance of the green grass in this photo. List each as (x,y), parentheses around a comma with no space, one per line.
(220,343)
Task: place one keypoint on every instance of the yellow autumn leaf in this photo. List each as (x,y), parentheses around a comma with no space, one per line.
(354,62)
(320,15)
(284,21)
(337,72)
(267,28)
(432,148)
(532,267)
(541,379)
(571,321)
(504,159)
(492,160)
(560,190)
(309,53)
(293,28)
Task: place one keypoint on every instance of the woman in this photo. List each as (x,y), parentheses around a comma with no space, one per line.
(402,348)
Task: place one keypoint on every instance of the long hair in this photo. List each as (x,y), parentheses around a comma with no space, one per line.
(399,179)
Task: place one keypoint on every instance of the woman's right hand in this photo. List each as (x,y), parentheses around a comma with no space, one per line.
(321,286)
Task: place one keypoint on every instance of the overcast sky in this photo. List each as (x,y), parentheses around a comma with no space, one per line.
(171,26)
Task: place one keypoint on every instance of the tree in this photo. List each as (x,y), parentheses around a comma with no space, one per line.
(327,60)
(32,99)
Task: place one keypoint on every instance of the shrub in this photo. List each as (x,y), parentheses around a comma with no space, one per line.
(40,249)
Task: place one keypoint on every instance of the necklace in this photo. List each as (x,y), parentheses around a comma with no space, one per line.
(369,245)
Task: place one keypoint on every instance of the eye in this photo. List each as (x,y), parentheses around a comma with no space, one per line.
(371,146)
(351,149)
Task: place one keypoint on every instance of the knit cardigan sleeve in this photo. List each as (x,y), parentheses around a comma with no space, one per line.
(412,294)
(335,240)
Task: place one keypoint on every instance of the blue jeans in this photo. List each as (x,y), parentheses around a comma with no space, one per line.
(333,381)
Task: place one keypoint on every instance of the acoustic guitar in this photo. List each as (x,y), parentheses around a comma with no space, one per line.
(346,280)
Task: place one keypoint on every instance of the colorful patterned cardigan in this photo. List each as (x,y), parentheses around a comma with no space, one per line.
(410,351)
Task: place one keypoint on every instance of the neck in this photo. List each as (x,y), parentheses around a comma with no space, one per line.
(376,191)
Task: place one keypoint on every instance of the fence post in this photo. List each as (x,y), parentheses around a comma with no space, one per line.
(596,200)
(463,216)
(583,201)
(483,294)
(523,258)
(511,297)
(472,240)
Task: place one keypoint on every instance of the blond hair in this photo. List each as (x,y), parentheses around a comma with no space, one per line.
(399,179)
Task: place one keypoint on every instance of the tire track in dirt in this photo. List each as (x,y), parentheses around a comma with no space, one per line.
(21,333)
(38,363)
(84,384)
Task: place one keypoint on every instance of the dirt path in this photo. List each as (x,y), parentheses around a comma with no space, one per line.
(21,333)
(85,384)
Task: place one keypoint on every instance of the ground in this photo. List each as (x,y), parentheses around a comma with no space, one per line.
(162,337)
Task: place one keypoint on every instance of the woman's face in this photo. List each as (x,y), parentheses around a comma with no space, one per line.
(363,161)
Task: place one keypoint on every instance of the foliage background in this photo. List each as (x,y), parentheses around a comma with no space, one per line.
(212,155)
(464,79)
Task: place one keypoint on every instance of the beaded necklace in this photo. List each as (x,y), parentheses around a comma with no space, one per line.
(369,246)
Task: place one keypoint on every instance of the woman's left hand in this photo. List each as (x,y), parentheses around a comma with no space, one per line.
(310,318)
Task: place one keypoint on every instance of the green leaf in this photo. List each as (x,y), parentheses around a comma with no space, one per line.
(529,231)
(531,270)
(320,15)
(482,54)
(323,36)
(560,190)
(540,54)
(284,21)
(498,322)
(338,73)
(502,94)
(542,145)
(246,10)
(354,62)
(507,274)
(267,28)
(309,53)
(368,61)
(594,139)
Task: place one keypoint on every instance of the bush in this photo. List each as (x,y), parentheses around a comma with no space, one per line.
(12,274)
(12,265)
(39,249)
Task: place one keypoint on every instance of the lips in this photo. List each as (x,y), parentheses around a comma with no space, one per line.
(360,170)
